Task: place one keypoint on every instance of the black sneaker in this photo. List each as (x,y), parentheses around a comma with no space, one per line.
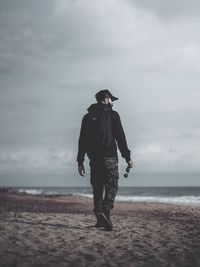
(107,224)
(100,223)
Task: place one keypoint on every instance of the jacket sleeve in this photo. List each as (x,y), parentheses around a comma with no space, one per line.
(81,142)
(120,138)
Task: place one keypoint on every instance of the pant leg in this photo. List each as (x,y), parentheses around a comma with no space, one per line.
(97,172)
(111,182)
(98,191)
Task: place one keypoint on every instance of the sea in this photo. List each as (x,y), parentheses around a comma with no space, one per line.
(172,195)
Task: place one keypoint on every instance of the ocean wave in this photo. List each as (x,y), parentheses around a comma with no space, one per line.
(48,192)
(31,191)
(42,192)
(190,200)
(186,200)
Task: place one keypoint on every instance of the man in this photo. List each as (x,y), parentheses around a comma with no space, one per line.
(101,128)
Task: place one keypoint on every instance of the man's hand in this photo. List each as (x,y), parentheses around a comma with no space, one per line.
(130,164)
(81,170)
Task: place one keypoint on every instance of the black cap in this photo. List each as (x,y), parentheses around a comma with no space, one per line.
(104,93)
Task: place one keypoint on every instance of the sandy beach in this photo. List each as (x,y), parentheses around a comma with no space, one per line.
(59,231)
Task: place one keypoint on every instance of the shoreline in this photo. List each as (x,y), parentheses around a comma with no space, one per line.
(21,201)
(180,200)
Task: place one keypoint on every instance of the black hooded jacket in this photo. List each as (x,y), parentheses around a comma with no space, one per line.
(101,128)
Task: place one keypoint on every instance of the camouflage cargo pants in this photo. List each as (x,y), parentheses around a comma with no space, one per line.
(104,177)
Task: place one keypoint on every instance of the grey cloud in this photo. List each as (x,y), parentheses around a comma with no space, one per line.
(172,150)
(55,55)
(92,83)
(171,8)
(36,7)
(6,70)
(33,43)
(32,102)
(8,158)
(36,158)
(190,135)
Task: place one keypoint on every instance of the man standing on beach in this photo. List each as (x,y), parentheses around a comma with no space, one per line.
(101,128)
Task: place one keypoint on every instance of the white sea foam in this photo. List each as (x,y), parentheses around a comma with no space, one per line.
(186,200)
(190,200)
(31,191)
(84,195)
(41,191)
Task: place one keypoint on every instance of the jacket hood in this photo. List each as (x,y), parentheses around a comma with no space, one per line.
(99,107)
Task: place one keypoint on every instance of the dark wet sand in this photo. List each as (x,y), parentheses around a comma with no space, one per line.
(59,231)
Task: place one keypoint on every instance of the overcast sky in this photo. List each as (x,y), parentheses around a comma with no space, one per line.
(56,54)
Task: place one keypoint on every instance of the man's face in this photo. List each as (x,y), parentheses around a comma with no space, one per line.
(108,100)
